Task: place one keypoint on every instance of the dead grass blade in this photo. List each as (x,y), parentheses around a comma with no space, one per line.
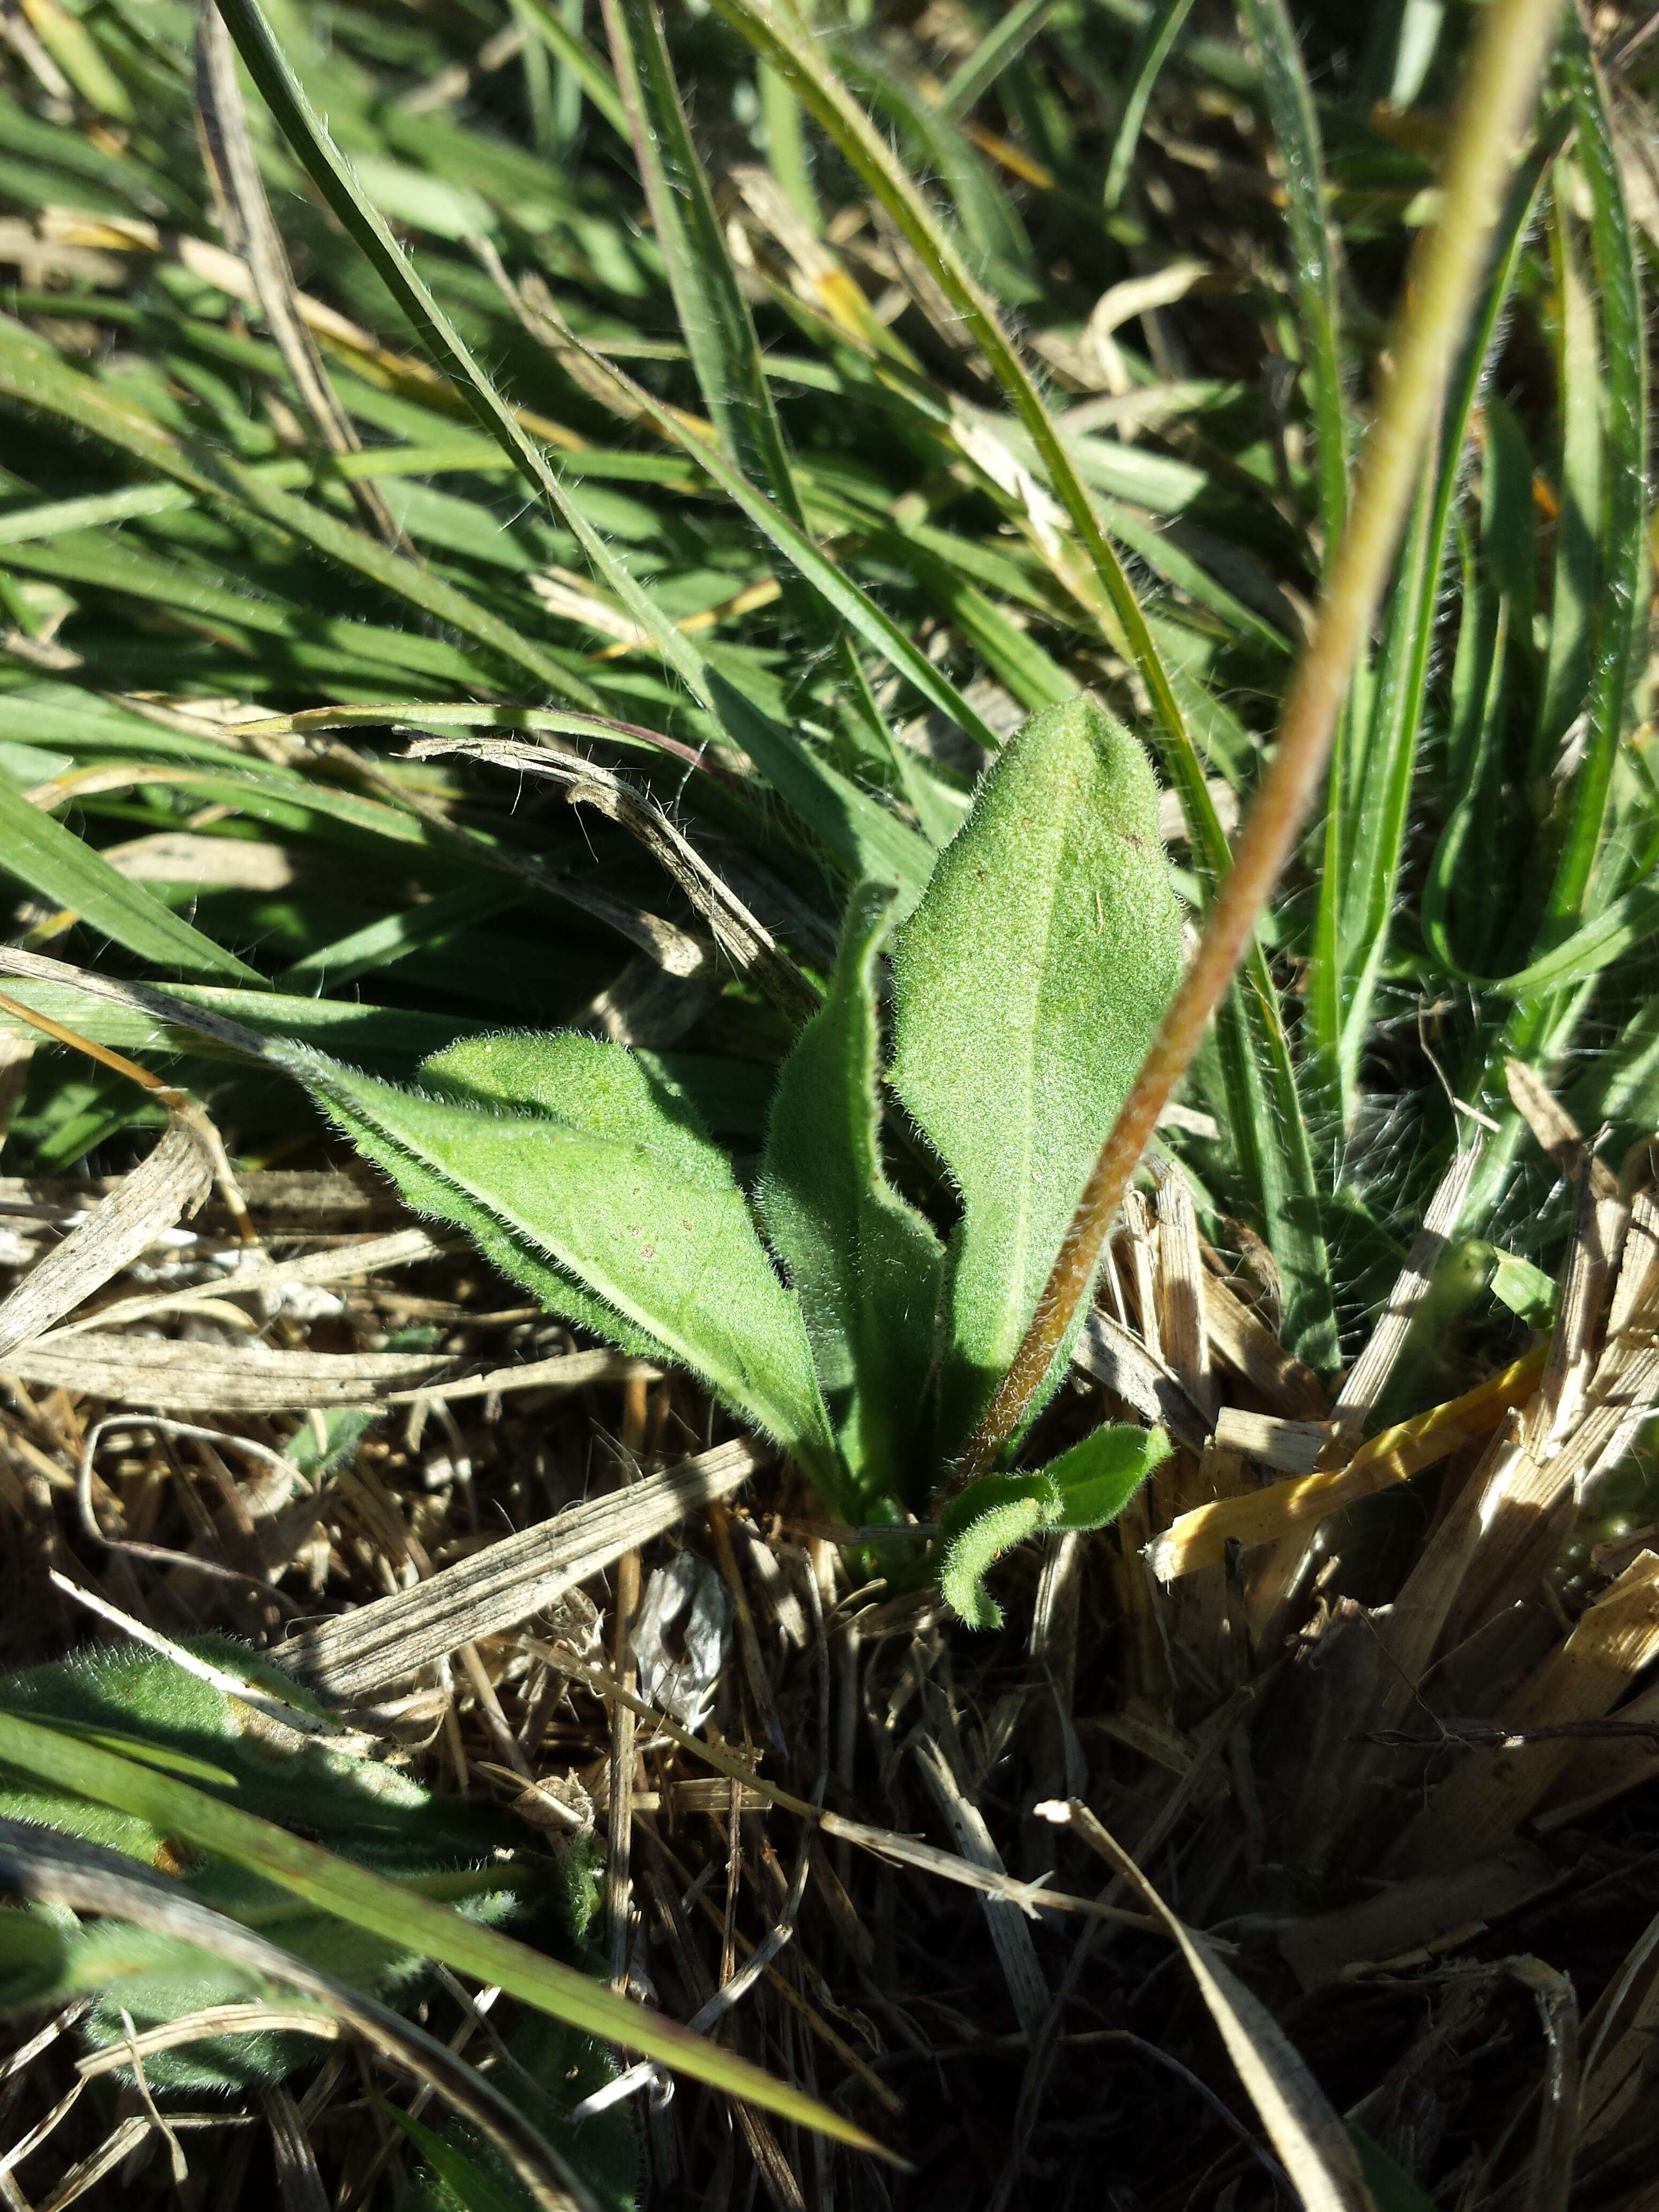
(1488,1794)
(566,1370)
(189,1377)
(137,998)
(1370,1373)
(1305,2130)
(1252,1351)
(746,943)
(1404,1919)
(165,1189)
(1108,1351)
(504,1585)
(882,1843)
(1011,1931)
(1200,1538)
(206,2025)
(1549,2175)
(368,1255)
(246,214)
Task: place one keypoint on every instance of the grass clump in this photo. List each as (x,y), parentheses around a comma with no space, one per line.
(670,617)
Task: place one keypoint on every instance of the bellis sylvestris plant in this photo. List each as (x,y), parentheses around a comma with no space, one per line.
(829,1312)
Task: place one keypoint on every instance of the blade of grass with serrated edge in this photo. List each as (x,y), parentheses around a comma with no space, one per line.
(250,230)
(1628,920)
(1458,921)
(849,822)
(1291,110)
(55,863)
(1275,1153)
(369,1901)
(277,795)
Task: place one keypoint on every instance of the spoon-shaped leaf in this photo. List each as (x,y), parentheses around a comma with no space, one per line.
(1029,985)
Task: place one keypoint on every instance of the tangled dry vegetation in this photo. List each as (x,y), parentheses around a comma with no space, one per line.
(1381,1745)
(1293,1838)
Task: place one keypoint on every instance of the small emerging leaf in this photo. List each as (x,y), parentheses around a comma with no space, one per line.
(1086,1487)
(1095,1480)
(989,1518)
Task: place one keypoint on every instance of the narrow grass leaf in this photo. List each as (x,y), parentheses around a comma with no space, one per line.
(571,51)
(35,375)
(1162,26)
(862,833)
(1313,251)
(1306,2132)
(55,863)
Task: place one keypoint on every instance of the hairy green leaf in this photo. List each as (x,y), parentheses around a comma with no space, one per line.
(1029,985)
(1095,1480)
(865,1264)
(1084,1488)
(989,1518)
(604,1171)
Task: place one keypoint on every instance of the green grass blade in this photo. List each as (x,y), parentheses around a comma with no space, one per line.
(783,43)
(1460,925)
(37,377)
(829,581)
(1629,921)
(1580,490)
(1003,45)
(573,54)
(369,1901)
(1313,251)
(1278,1177)
(1365,885)
(1541,1025)
(1162,26)
(56,865)
(853,825)
(1619,596)
(714,315)
(731,372)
